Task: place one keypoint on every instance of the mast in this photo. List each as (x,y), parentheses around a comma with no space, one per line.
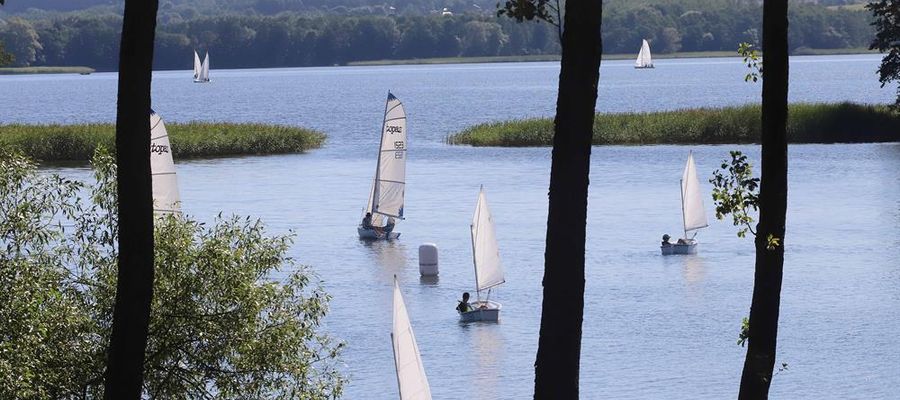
(683,217)
(375,191)
(474,257)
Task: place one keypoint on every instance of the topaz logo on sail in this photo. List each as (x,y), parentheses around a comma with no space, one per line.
(158,148)
(392,129)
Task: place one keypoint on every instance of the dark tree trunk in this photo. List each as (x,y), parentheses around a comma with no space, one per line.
(134,291)
(758,365)
(559,346)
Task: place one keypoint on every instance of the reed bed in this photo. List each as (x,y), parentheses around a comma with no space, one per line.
(807,123)
(193,139)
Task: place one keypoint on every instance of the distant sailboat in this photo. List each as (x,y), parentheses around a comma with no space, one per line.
(488,268)
(388,189)
(692,211)
(643,59)
(411,380)
(201,69)
(162,169)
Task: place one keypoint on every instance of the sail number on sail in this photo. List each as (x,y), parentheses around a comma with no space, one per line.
(399,145)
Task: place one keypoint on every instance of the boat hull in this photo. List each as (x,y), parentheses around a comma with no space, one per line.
(647,67)
(690,247)
(372,234)
(484,311)
(201,81)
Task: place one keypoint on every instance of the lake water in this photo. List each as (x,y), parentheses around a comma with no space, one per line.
(654,327)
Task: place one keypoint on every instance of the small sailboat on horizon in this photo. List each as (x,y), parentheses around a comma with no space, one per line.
(201,69)
(166,199)
(386,197)
(644,60)
(488,268)
(692,212)
(411,380)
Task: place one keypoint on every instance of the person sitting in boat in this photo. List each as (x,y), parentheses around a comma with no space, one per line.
(367,221)
(665,241)
(389,227)
(464,306)
(682,241)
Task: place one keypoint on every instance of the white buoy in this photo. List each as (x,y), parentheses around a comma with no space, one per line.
(428,259)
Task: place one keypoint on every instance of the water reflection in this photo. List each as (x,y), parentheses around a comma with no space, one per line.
(429,280)
(390,255)
(485,345)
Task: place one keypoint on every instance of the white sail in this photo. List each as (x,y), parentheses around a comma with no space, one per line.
(643,59)
(486,253)
(411,379)
(162,168)
(197,65)
(692,198)
(204,69)
(390,174)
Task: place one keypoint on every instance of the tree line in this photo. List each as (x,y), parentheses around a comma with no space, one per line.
(302,39)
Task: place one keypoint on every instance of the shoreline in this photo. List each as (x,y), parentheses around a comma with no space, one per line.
(46,70)
(606,57)
(458,60)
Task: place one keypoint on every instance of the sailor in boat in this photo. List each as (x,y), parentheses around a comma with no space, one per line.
(367,221)
(665,240)
(464,306)
(389,227)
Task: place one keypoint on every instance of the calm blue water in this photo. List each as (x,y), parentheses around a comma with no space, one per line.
(654,327)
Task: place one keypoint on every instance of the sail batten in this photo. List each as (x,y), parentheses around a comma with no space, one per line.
(485,251)
(166,198)
(411,379)
(692,198)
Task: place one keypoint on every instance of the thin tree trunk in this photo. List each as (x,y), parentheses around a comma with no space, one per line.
(760,361)
(134,290)
(559,346)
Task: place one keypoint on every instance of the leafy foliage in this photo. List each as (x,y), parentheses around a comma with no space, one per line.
(887,39)
(753,59)
(745,331)
(220,327)
(736,192)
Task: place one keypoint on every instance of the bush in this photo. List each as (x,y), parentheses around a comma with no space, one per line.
(220,327)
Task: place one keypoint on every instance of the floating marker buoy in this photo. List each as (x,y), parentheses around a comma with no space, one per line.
(428,259)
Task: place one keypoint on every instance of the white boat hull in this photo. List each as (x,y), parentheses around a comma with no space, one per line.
(372,234)
(201,80)
(483,311)
(689,247)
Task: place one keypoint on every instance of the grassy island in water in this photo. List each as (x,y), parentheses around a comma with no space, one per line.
(192,139)
(807,123)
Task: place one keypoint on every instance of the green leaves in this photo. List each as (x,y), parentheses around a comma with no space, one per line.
(736,192)
(753,59)
(221,326)
(745,331)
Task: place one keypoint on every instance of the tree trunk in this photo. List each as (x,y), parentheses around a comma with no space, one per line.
(559,346)
(134,290)
(757,374)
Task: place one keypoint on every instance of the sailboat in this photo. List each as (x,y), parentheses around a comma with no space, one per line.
(488,268)
(201,69)
(166,199)
(692,211)
(411,379)
(388,189)
(643,59)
